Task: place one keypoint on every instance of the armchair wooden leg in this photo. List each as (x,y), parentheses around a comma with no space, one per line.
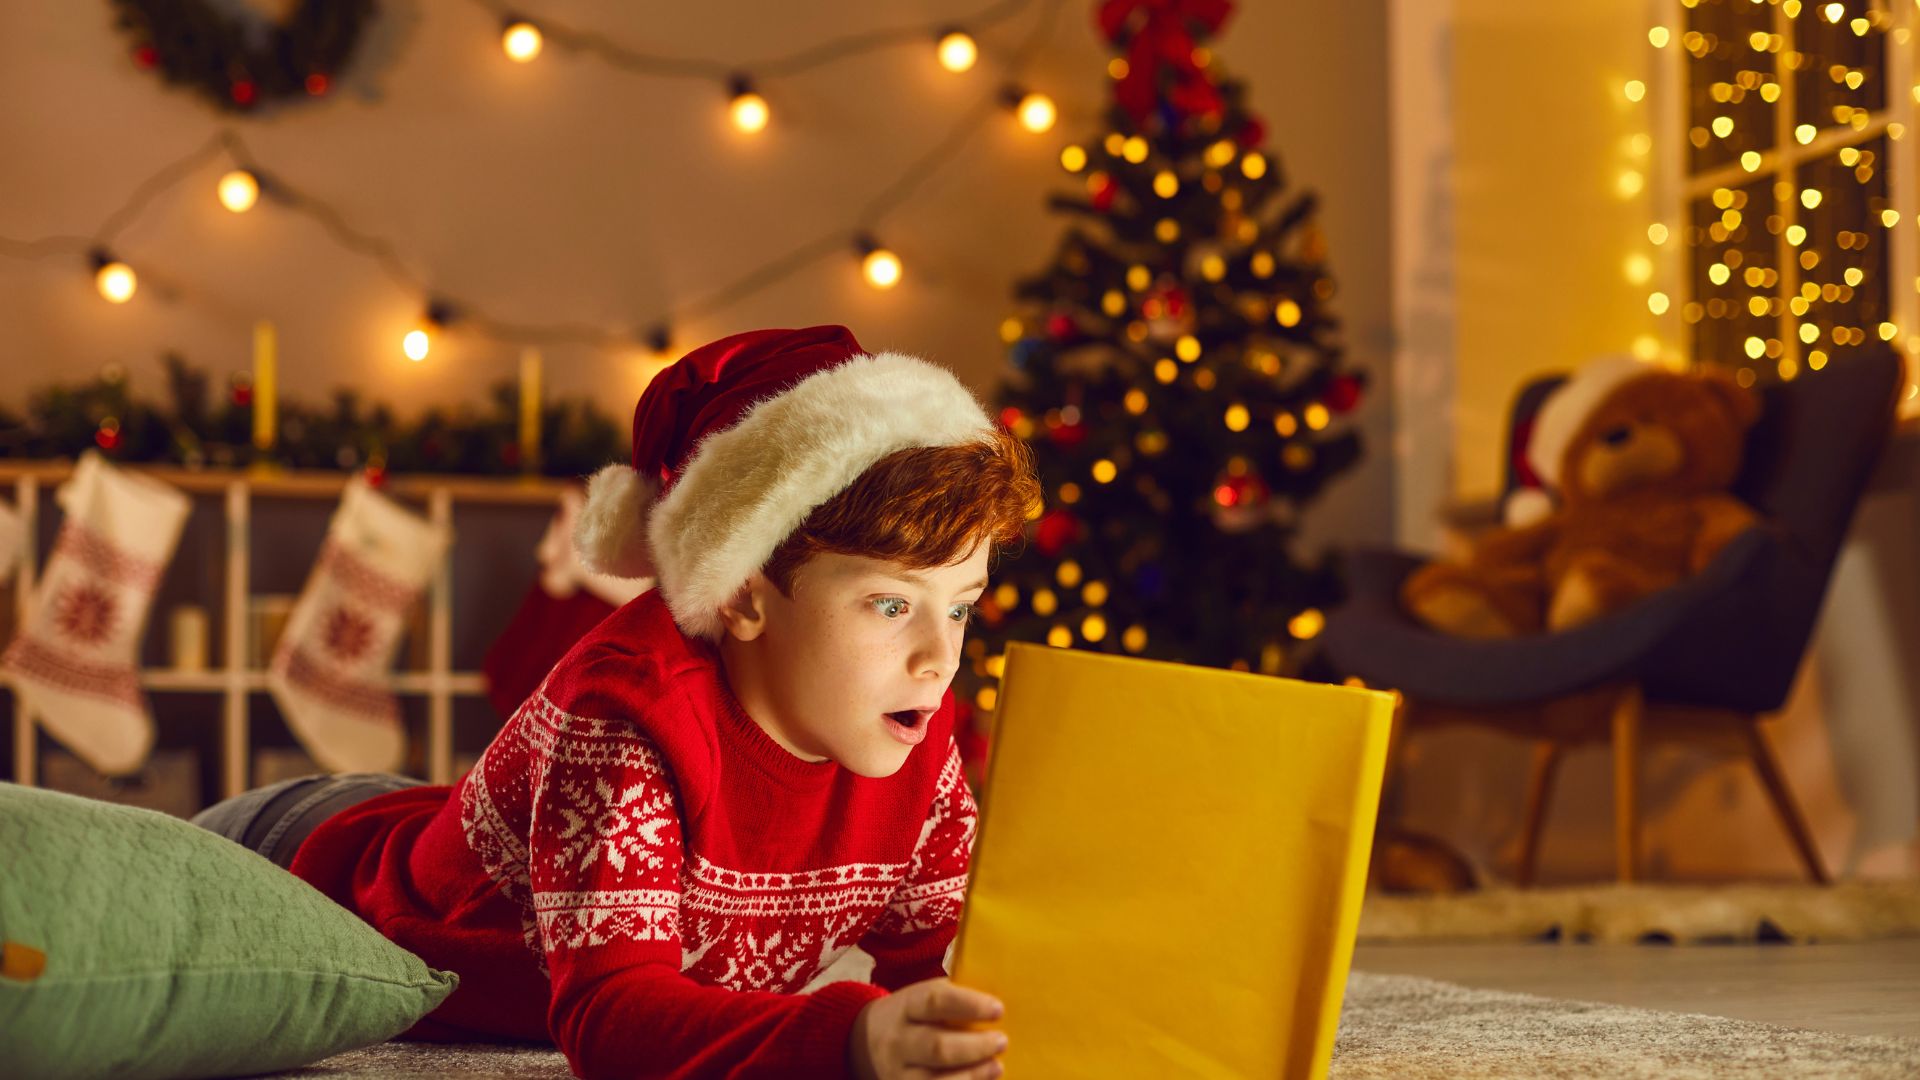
(1781,796)
(1546,762)
(1627,713)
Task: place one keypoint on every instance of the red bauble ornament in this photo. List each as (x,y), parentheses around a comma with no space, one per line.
(377,475)
(318,84)
(1010,416)
(244,91)
(1240,491)
(146,56)
(1061,327)
(1252,133)
(243,396)
(1103,196)
(1057,529)
(1068,436)
(108,438)
(1343,394)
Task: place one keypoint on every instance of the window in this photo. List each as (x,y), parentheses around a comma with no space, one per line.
(1794,211)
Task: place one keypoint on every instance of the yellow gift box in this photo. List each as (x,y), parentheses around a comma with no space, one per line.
(1170,864)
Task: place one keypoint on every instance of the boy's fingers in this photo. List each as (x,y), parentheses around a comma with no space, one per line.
(986,1070)
(938,1049)
(945,1003)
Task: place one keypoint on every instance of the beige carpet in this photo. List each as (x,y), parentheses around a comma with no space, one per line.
(1849,911)
(1393,1026)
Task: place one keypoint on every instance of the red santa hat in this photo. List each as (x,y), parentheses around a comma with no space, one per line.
(1566,410)
(738,441)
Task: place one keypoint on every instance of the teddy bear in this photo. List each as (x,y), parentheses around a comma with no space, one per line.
(1642,458)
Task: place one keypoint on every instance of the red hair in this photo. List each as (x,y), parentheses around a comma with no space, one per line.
(924,507)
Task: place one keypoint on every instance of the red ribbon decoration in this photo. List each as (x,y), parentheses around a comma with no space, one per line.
(1163,40)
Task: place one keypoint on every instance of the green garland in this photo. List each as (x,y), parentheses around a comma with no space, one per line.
(347,435)
(240,62)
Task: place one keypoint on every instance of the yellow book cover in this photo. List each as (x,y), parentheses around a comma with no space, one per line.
(1168,876)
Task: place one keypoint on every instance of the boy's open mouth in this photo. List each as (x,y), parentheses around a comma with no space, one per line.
(908,725)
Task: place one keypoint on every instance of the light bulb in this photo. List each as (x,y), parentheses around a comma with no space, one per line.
(521,40)
(115,280)
(1037,113)
(748,109)
(416,344)
(957,51)
(882,268)
(238,191)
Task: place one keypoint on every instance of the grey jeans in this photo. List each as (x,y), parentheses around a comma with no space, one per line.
(275,819)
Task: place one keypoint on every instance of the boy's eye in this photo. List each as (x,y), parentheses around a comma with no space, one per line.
(891,606)
(961,613)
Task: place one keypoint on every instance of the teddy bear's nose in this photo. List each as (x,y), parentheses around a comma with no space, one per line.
(1617,436)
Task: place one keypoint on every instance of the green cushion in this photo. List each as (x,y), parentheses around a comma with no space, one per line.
(139,945)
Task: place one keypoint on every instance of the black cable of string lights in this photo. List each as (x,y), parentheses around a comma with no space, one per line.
(813,56)
(443,308)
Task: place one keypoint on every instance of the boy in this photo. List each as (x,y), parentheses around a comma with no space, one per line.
(740,774)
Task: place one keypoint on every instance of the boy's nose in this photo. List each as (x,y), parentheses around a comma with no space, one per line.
(938,655)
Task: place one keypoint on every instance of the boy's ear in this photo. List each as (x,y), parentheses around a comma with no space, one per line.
(745,616)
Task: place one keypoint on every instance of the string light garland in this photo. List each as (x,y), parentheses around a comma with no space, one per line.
(524,37)
(247,181)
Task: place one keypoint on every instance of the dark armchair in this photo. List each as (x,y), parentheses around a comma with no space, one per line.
(1701,661)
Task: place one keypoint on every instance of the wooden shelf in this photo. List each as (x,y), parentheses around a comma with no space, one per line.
(459,683)
(312,483)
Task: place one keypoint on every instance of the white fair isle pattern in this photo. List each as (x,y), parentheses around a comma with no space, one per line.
(945,840)
(576,820)
(576,920)
(629,826)
(820,915)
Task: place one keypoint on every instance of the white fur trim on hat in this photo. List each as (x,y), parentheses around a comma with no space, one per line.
(610,536)
(1567,408)
(748,487)
(1526,506)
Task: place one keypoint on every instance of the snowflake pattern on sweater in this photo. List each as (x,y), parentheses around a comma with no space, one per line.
(577,820)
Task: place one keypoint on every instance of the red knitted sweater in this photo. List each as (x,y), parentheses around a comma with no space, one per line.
(635,870)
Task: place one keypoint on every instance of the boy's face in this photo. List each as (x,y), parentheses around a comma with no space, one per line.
(851,666)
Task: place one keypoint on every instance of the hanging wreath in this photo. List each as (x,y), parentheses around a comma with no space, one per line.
(240,60)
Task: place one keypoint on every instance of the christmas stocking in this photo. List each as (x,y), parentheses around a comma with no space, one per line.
(330,667)
(559,610)
(74,662)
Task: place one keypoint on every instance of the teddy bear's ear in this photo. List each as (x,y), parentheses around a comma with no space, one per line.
(1742,404)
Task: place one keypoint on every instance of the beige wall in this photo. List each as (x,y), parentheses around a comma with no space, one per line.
(1542,135)
(566,192)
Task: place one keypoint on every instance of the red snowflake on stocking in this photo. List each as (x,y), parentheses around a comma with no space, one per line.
(86,613)
(347,635)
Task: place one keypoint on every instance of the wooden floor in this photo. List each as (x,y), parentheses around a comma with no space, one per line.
(1872,988)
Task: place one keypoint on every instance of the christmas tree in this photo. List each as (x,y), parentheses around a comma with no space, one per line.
(1179,376)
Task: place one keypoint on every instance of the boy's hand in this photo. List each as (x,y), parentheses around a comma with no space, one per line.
(923,1032)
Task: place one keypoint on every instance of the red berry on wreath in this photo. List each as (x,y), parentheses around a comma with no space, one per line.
(146,56)
(318,83)
(1060,327)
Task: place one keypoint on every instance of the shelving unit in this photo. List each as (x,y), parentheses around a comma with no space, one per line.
(232,678)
